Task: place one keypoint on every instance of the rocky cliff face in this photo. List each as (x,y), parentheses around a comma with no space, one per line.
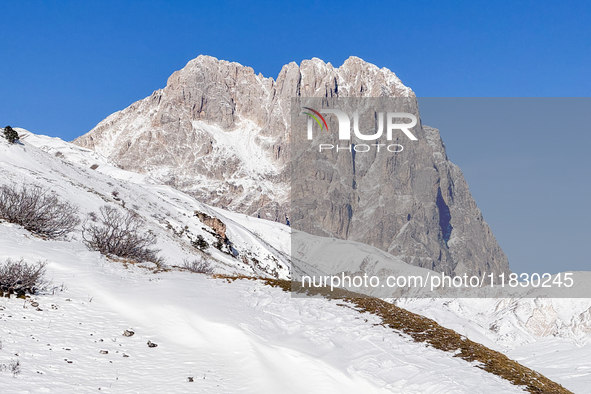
(413,203)
(222,133)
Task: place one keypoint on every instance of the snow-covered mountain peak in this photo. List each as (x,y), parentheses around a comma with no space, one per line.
(221,133)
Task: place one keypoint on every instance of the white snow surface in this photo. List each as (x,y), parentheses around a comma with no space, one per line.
(240,337)
(549,335)
(230,337)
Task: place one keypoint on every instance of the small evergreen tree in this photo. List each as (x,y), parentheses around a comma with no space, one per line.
(10,134)
(200,243)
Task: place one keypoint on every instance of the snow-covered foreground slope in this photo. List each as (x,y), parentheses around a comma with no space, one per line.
(549,335)
(240,337)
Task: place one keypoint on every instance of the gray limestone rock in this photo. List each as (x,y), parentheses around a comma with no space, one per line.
(222,133)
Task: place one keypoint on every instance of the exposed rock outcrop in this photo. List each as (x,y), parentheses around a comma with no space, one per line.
(214,223)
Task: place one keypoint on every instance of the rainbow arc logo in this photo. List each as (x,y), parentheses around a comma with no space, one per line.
(315,115)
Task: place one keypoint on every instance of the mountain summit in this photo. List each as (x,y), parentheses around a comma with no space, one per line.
(221,133)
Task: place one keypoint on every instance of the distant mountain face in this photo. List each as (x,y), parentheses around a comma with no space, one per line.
(220,132)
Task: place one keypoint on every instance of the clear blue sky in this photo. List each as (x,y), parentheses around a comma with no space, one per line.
(66,65)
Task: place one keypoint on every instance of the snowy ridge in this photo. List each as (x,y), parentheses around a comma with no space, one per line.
(169,213)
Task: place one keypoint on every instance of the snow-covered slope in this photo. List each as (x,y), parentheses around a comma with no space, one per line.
(169,213)
(240,337)
(550,335)
(229,337)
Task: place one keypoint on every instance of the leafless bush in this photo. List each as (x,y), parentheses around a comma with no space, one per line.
(120,234)
(20,277)
(37,210)
(199,265)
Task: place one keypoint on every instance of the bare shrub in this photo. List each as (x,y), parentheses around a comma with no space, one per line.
(20,277)
(38,210)
(120,234)
(199,265)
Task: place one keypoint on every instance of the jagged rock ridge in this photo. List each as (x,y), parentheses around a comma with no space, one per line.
(222,133)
